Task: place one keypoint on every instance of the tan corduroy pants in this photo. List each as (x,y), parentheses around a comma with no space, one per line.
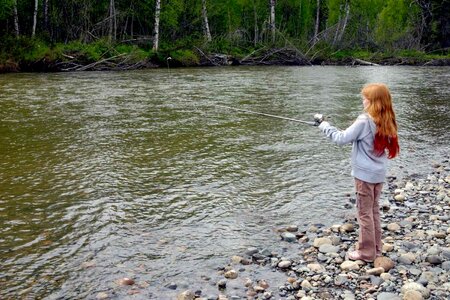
(368,214)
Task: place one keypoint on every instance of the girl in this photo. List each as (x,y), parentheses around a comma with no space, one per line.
(374,138)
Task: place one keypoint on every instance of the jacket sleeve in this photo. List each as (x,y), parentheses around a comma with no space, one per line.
(342,137)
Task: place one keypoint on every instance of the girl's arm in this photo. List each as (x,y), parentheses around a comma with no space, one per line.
(342,137)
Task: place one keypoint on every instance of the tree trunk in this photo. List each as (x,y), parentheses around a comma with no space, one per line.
(338,26)
(16,20)
(316,28)
(205,22)
(33,31)
(45,11)
(112,21)
(156,35)
(272,19)
(347,12)
(256,23)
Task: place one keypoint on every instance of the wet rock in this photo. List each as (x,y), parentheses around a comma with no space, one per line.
(288,237)
(252,250)
(186,295)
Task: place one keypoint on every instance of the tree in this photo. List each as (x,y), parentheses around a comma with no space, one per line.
(112,21)
(156,29)
(394,28)
(272,19)
(36,5)
(316,27)
(206,31)
(16,20)
(45,12)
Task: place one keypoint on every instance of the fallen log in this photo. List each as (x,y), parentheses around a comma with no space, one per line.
(365,63)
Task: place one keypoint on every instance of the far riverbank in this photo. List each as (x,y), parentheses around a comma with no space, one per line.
(78,57)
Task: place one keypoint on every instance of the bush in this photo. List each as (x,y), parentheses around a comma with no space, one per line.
(186,58)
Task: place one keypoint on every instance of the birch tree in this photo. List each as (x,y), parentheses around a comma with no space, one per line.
(33,31)
(344,25)
(45,12)
(272,19)
(16,19)
(255,26)
(316,28)
(206,31)
(112,21)
(156,33)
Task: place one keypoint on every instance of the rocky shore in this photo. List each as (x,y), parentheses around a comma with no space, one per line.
(415,263)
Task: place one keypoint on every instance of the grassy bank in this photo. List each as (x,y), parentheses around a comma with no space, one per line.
(35,55)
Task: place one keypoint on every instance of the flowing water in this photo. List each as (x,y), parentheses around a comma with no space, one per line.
(106,175)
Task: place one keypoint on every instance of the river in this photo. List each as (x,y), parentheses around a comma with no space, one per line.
(105,175)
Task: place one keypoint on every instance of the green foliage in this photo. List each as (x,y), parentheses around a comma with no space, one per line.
(5,8)
(81,27)
(395,23)
(24,49)
(185,57)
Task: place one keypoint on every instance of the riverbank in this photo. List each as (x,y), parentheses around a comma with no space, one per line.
(35,56)
(415,263)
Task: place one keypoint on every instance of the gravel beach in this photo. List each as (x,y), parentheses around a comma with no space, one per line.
(310,262)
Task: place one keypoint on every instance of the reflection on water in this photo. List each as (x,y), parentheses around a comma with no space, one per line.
(139,174)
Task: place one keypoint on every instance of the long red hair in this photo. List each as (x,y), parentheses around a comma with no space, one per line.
(382,113)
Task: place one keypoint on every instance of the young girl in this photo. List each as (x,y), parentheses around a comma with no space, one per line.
(374,138)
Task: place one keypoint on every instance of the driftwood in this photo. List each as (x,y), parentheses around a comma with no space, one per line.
(118,62)
(276,56)
(214,59)
(363,62)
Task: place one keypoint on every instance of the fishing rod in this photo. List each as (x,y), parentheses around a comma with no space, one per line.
(268,115)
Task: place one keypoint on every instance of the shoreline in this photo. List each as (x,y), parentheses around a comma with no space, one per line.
(415,263)
(120,63)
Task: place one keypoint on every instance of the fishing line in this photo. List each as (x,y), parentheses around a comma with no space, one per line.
(267,115)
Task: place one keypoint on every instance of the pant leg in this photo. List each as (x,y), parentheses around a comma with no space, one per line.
(364,204)
(376,218)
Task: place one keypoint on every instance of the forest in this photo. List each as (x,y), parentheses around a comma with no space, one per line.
(46,35)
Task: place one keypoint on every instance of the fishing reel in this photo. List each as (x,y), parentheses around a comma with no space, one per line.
(318,118)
